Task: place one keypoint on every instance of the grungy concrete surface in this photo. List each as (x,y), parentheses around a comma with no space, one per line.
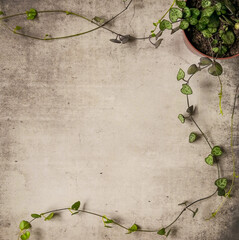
(85,119)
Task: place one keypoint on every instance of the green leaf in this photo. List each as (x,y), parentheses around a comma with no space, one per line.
(34,215)
(222,50)
(193,21)
(134,228)
(207,12)
(206,3)
(75,206)
(221,192)
(1,12)
(99,20)
(195,212)
(215,69)
(192,137)
(181,4)
(206,33)
(200,26)
(204,20)
(175,14)
(228,38)
(181,118)
(31,14)
(162,232)
(215,49)
(192,69)
(25,236)
(195,12)
(17,28)
(209,159)
(218,6)
(107,221)
(184,24)
(180,75)
(205,61)
(24,225)
(212,30)
(186,89)
(216,151)
(165,24)
(49,217)
(221,183)
(186,12)
(214,42)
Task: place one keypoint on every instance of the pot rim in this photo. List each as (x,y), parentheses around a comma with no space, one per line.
(205,55)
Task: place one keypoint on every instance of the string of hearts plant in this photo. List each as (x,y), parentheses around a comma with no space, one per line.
(219,43)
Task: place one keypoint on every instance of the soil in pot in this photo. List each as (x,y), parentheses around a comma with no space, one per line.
(203,44)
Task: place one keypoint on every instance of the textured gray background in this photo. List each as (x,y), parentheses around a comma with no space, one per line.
(86,119)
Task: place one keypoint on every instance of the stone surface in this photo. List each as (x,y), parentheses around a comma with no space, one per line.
(86,119)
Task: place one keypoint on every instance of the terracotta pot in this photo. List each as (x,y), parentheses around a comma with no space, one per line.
(197,52)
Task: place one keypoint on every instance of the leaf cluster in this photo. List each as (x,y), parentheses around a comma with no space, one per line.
(218,22)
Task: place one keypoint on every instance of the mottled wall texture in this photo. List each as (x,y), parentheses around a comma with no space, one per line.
(86,119)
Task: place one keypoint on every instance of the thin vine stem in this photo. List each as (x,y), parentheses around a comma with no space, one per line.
(188,104)
(122,226)
(196,124)
(191,204)
(72,35)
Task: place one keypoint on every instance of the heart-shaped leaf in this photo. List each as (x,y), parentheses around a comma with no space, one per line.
(75,206)
(192,69)
(205,61)
(34,215)
(216,151)
(206,3)
(25,236)
(49,217)
(186,89)
(221,192)
(31,14)
(175,14)
(162,232)
(207,12)
(209,159)
(133,228)
(165,24)
(221,183)
(181,4)
(192,137)
(24,225)
(181,118)
(184,24)
(228,38)
(215,69)
(180,75)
